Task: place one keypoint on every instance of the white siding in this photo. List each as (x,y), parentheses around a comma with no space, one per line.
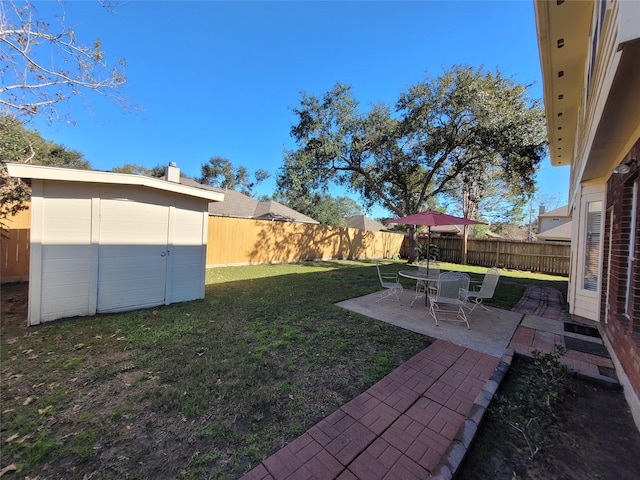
(133,256)
(188,254)
(65,255)
(98,248)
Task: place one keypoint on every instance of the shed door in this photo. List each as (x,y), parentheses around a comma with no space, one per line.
(133,255)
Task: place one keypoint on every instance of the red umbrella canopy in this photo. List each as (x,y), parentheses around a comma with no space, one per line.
(431,218)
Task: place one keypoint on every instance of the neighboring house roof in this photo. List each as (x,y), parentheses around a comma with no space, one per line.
(42,172)
(239,205)
(557,212)
(363,222)
(561,232)
(491,234)
(447,229)
(272,210)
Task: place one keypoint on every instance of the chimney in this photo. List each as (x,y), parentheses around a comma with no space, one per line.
(172,173)
(542,209)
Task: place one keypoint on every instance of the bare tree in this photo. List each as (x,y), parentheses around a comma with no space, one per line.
(41,66)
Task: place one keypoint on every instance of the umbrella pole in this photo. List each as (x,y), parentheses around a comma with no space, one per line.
(428,247)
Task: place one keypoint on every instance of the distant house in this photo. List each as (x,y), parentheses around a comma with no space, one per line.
(239,205)
(554,225)
(447,230)
(363,222)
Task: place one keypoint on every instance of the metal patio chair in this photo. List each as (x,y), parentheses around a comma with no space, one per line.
(390,283)
(450,297)
(487,289)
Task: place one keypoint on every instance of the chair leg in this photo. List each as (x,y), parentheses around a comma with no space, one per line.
(388,293)
(463,317)
(476,301)
(420,288)
(432,311)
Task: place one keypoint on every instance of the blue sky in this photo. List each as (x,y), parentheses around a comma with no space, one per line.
(221,78)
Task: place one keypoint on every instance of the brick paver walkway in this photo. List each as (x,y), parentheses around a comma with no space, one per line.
(543,302)
(401,428)
(544,336)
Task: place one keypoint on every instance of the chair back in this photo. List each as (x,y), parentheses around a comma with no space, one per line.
(379,274)
(450,283)
(489,282)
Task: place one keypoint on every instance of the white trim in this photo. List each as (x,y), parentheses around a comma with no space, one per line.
(95,255)
(42,172)
(35,253)
(609,254)
(585,303)
(171,228)
(631,257)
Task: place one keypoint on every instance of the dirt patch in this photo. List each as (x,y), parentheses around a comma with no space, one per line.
(15,303)
(594,436)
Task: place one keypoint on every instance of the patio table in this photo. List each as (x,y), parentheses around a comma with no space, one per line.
(419,277)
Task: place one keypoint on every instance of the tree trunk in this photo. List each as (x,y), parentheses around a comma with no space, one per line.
(414,255)
(465,234)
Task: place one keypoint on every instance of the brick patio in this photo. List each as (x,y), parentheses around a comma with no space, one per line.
(400,428)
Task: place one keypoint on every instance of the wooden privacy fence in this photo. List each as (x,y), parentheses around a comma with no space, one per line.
(237,241)
(14,248)
(543,257)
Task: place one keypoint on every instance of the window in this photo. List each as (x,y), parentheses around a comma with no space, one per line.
(592,245)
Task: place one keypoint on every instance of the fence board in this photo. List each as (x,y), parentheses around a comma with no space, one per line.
(239,241)
(542,257)
(14,248)
(236,241)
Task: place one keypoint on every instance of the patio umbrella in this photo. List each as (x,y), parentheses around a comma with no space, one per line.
(431,218)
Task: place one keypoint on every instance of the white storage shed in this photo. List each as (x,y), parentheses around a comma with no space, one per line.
(110,242)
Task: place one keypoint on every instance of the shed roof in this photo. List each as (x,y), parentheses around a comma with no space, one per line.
(43,172)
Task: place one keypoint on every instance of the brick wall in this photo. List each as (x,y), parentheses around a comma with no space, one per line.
(622,331)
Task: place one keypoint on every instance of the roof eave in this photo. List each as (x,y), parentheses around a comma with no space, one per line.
(563,40)
(43,172)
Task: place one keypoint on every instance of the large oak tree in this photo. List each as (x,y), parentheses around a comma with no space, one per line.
(459,123)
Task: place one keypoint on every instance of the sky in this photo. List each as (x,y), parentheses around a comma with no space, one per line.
(222,78)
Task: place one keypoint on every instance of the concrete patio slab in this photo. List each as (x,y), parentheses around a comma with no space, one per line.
(490,331)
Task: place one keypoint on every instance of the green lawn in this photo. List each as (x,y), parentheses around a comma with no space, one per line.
(202,389)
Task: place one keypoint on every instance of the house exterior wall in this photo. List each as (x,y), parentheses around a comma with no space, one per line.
(590,58)
(621,303)
(70,233)
(547,223)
